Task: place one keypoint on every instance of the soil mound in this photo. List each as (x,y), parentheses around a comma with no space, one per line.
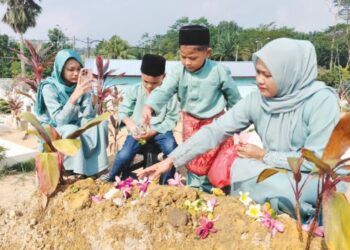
(157,221)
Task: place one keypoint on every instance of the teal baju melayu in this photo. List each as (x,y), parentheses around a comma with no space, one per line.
(53,108)
(301,115)
(202,94)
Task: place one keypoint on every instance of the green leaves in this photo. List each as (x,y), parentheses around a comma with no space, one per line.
(48,171)
(89,124)
(336,216)
(29,117)
(67,146)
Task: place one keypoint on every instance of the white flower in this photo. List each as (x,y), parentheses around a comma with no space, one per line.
(254,211)
(110,193)
(244,198)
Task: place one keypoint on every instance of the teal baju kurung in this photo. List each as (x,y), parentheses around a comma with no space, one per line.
(302,115)
(53,108)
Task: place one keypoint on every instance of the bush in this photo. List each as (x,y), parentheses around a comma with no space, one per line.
(4,107)
(21,167)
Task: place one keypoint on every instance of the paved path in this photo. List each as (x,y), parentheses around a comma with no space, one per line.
(15,153)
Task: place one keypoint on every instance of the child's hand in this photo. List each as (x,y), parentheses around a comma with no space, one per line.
(250,151)
(147,135)
(147,114)
(156,170)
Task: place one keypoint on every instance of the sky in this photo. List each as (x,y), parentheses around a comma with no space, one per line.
(130,19)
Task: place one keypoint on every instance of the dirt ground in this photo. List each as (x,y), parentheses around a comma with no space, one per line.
(73,221)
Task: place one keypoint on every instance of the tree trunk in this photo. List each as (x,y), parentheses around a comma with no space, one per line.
(23,69)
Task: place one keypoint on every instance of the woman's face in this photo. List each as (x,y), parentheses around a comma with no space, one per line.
(71,71)
(264,80)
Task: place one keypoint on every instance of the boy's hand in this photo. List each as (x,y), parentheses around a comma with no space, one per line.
(146,136)
(147,114)
(156,170)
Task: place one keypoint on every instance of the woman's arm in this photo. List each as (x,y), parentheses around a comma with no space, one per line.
(61,114)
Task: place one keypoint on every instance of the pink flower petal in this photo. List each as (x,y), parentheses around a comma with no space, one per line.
(97,199)
(243,137)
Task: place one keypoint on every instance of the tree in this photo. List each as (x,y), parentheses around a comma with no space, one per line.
(58,40)
(20,15)
(7,56)
(115,48)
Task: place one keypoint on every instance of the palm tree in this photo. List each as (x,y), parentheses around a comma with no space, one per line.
(20,15)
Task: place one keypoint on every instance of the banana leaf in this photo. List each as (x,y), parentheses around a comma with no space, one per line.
(48,171)
(89,124)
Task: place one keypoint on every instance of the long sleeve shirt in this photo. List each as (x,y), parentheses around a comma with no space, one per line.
(132,106)
(320,114)
(58,114)
(203,93)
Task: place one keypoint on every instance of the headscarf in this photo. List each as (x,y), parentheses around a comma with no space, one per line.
(293,66)
(57,81)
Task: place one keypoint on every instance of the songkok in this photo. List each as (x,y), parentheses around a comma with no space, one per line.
(194,35)
(153,65)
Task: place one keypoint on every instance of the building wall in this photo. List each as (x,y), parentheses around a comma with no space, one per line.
(245,84)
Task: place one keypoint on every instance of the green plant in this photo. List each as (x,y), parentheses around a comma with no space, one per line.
(330,170)
(4,107)
(49,164)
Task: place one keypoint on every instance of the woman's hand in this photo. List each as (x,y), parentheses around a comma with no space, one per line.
(250,151)
(83,86)
(156,170)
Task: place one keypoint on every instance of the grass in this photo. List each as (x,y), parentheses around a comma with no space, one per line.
(21,167)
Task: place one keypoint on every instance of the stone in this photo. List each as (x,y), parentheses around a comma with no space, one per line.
(177,217)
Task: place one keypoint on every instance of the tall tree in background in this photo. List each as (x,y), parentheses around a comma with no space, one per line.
(20,15)
(115,48)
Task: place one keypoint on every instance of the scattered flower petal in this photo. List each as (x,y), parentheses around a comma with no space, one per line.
(176,181)
(319,231)
(110,193)
(244,198)
(118,202)
(97,199)
(206,227)
(217,192)
(254,211)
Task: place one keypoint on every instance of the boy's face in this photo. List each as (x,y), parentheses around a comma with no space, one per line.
(151,82)
(192,58)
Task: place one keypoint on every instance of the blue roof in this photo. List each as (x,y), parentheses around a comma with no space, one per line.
(132,67)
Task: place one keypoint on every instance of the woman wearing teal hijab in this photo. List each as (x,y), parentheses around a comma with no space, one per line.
(290,111)
(64,101)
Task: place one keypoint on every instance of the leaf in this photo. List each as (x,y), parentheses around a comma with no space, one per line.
(345,178)
(48,172)
(295,164)
(89,124)
(266,173)
(67,146)
(339,140)
(29,117)
(310,156)
(336,217)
